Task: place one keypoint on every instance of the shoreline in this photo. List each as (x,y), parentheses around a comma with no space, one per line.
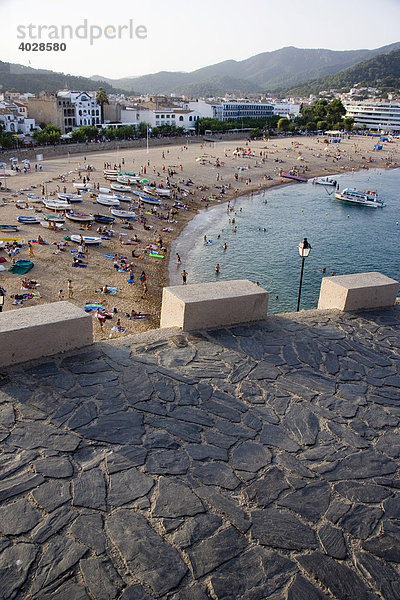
(308,154)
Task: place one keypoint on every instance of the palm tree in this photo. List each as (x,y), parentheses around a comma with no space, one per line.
(102,99)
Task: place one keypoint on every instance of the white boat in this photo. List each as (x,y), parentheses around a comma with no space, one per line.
(367,198)
(120,188)
(325,181)
(29,220)
(83,186)
(94,241)
(123,198)
(54,218)
(70,197)
(111,177)
(56,204)
(123,214)
(157,191)
(148,200)
(81,218)
(104,190)
(107,201)
(128,179)
(111,172)
(52,225)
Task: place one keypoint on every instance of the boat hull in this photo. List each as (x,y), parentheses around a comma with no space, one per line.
(92,241)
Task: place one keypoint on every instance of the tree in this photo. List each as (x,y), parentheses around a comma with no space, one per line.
(101,99)
(283,124)
(322,125)
(348,123)
(50,134)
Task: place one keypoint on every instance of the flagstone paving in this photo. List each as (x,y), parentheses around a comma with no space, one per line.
(249,462)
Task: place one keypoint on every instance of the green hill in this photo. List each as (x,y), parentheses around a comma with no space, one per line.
(18,78)
(381,71)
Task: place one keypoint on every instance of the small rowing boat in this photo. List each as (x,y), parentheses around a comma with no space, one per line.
(107,200)
(54,218)
(120,188)
(89,240)
(29,220)
(83,186)
(123,198)
(70,197)
(56,204)
(157,191)
(123,214)
(51,225)
(103,219)
(81,218)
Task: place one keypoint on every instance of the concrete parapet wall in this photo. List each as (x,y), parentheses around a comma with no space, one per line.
(29,333)
(207,305)
(358,291)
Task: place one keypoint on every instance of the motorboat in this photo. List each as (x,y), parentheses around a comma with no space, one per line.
(81,218)
(57,204)
(157,191)
(107,201)
(368,198)
(325,181)
(120,188)
(89,240)
(83,186)
(123,214)
(70,197)
(29,220)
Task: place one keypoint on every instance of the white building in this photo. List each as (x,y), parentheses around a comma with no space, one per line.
(14,120)
(162,115)
(79,109)
(375,115)
(286,109)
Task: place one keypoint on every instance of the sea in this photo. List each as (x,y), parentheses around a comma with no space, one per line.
(344,238)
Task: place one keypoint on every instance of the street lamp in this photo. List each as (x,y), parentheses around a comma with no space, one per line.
(304,250)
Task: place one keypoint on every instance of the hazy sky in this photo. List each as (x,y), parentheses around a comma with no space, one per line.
(183,35)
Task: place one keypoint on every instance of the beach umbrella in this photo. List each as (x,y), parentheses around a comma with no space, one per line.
(144,181)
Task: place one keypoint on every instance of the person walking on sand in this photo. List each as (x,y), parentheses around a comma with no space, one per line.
(178,259)
(30,249)
(184,276)
(60,295)
(70,289)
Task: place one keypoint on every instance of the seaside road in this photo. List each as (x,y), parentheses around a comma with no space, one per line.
(250,462)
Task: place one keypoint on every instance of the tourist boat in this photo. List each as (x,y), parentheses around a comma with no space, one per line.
(157,191)
(103,219)
(107,200)
(54,218)
(123,214)
(325,181)
(120,188)
(29,220)
(293,176)
(367,198)
(51,225)
(70,197)
(93,241)
(123,198)
(81,218)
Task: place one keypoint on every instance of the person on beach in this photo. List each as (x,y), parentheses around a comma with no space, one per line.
(145,290)
(60,295)
(70,289)
(178,259)
(184,276)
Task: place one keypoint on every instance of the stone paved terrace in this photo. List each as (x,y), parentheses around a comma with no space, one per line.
(243,463)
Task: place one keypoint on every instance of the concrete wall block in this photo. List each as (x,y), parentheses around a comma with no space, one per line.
(43,330)
(358,291)
(207,305)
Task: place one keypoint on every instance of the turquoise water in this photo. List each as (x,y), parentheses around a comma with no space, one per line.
(344,238)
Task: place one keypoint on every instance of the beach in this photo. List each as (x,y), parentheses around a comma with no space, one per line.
(202,171)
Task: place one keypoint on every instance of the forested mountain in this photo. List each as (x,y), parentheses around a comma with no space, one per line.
(382,71)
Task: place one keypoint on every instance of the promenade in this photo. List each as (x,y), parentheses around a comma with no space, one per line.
(247,463)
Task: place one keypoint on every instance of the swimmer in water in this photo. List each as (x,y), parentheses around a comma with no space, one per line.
(217,268)
(225,246)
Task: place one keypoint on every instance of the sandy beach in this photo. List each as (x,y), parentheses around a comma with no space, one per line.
(202,170)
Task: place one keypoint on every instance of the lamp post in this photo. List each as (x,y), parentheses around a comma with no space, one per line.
(304,250)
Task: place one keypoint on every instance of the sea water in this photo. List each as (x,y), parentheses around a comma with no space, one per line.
(345,238)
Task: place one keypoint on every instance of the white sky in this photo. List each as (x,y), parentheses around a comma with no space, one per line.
(185,35)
